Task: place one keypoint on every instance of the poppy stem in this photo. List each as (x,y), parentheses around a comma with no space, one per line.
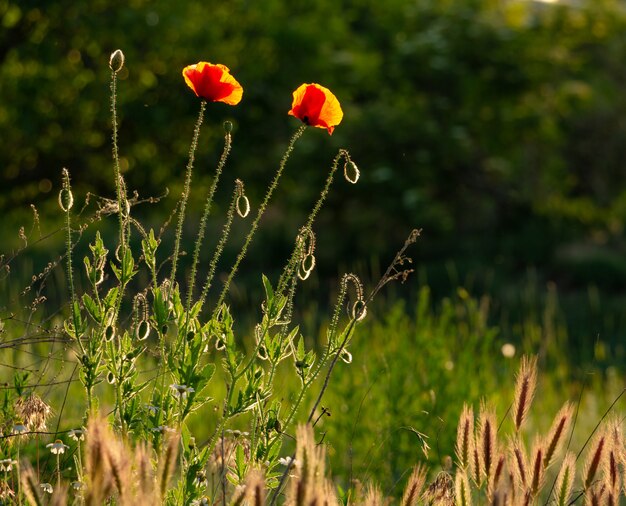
(202,227)
(185,195)
(260,212)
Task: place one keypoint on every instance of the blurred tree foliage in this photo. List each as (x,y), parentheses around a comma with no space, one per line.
(498,126)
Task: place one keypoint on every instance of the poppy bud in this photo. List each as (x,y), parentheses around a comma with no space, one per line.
(228,126)
(116,62)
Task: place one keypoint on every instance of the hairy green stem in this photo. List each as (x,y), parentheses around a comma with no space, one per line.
(255,223)
(205,215)
(185,195)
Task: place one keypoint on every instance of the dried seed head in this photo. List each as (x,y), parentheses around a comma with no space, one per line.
(34,412)
(441,491)
(116,61)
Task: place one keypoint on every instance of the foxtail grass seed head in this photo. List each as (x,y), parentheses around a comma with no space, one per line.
(413,491)
(525,387)
(116,61)
(594,459)
(565,480)
(487,424)
(463,492)
(558,433)
(351,172)
(465,436)
(519,459)
(537,468)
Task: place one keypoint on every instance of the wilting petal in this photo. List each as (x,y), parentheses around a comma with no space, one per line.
(316,106)
(212,82)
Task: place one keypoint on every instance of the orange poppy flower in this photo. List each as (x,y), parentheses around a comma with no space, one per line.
(213,83)
(316,106)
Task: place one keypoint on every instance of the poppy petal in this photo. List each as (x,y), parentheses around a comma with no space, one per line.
(316,106)
(213,83)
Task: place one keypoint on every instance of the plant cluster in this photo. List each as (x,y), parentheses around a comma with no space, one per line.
(116,328)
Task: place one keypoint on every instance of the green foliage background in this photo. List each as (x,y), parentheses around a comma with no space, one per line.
(496,126)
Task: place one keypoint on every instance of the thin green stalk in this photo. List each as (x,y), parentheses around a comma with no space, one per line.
(205,214)
(185,195)
(220,248)
(260,212)
(292,264)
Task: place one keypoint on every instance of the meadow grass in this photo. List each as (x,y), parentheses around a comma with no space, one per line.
(145,387)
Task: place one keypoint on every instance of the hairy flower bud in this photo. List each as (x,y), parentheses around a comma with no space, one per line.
(116,62)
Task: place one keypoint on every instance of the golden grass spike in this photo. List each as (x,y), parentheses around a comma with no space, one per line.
(537,477)
(487,428)
(59,497)
(521,472)
(525,387)
(615,455)
(308,485)
(118,457)
(254,494)
(413,490)
(497,476)
(558,433)
(462,490)
(594,459)
(465,436)
(167,463)
(144,472)
(30,487)
(98,481)
(373,496)
(565,479)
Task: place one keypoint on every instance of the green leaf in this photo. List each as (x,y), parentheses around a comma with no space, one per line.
(92,308)
(269,292)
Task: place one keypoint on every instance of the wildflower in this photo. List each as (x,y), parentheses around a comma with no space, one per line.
(288,461)
(57,447)
(152,409)
(46,487)
(162,429)
(77,434)
(19,428)
(213,83)
(316,106)
(77,485)
(7,464)
(181,391)
(203,501)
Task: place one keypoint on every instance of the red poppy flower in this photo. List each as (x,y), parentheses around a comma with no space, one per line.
(316,106)
(213,83)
